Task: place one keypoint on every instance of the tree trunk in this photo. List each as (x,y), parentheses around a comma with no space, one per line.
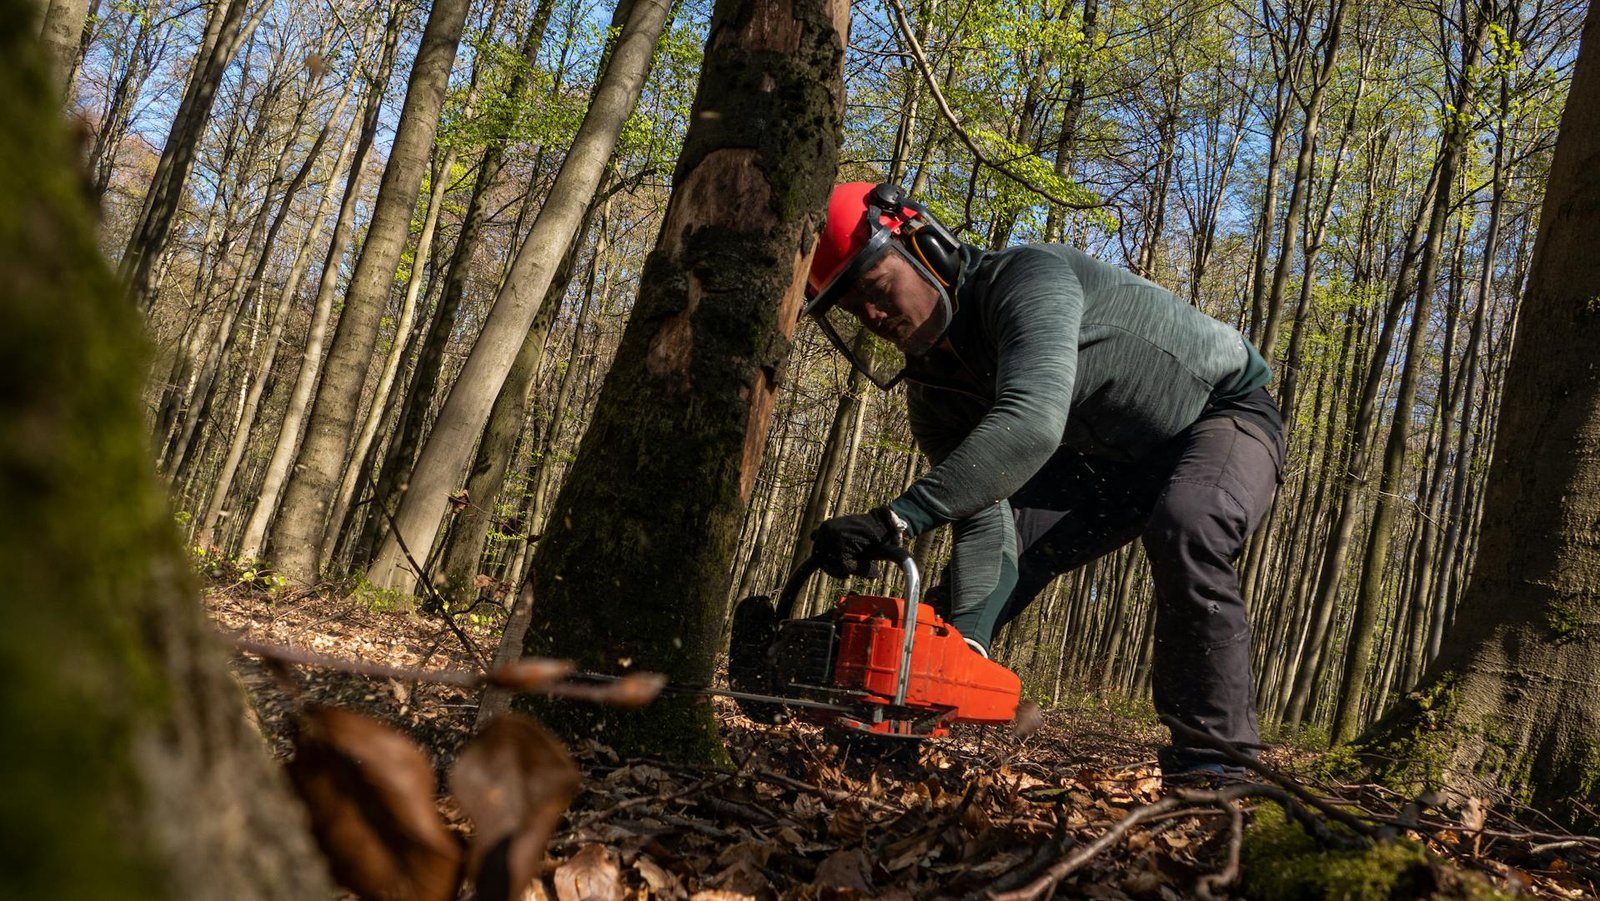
(1321,76)
(299,529)
(283,452)
(636,573)
(1368,599)
(1512,705)
(464,547)
(833,457)
(401,454)
(280,315)
(130,757)
(61,33)
(226,31)
(357,465)
(1361,434)
(448,451)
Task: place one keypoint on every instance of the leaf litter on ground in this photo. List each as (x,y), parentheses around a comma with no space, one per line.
(985,811)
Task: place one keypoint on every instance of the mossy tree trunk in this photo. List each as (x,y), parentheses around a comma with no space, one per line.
(634,570)
(1512,705)
(130,768)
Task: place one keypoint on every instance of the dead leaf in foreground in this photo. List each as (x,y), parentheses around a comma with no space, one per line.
(369,791)
(530,674)
(1027,721)
(514,780)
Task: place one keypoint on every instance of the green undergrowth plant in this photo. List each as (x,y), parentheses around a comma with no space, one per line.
(218,567)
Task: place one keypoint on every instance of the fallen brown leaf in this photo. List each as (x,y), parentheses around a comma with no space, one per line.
(370,793)
(591,875)
(514,780)
(849,869)
(530,674)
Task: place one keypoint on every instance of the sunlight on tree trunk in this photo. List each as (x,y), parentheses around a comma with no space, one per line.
(1512,705)
(634,570)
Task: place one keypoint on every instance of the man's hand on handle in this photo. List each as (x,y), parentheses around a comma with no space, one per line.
(848,545)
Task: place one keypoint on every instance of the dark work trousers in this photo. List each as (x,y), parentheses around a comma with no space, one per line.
(1193,507)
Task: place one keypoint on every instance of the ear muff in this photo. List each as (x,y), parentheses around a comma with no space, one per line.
(920,233)
(938,252)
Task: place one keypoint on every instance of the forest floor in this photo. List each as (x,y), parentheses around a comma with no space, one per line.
(979,814)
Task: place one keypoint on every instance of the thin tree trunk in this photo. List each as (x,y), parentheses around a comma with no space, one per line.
(1358,661)
(284,451)
(447,454)
(300,526)
(226,31)
(280,316)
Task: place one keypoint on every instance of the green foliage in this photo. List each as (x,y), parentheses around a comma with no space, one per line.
(219,568)
(1305,736)
(384,600)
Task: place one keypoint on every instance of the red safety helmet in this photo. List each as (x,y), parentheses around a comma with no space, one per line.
(865,222)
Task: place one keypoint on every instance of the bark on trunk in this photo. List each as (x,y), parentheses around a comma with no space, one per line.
(1512,706)
(298,532)
(283,452)
(448,451)
(637,570)
(130,757)
(61,33)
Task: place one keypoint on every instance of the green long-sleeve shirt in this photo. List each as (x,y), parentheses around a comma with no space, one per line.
(1051,347)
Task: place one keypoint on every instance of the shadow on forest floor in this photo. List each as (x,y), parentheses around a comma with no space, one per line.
(979,814)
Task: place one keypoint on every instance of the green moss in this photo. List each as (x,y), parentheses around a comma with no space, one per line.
(1282,863)
(1563,620)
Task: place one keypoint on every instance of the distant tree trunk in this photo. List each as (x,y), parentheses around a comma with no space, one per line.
(288,443)
(280,315)
(1286,68)
(403,445)
(1368,598)
(448,451)
(226,31)
(356,463)
(1512,705)
(129,757)
(116,114)
(61,32)
(1321,77)
(637,568)
(818,500)
(1331,575)
(1067,139)
(298,531)
(464,546)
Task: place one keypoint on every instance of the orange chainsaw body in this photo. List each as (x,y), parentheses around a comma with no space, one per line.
(946,677)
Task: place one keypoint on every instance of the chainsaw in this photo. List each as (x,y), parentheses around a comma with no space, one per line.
(882,666)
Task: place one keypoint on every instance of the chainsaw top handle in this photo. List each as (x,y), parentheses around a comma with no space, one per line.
(811,565)
(899,555)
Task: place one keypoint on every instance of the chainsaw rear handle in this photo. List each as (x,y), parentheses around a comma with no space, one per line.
(908,564)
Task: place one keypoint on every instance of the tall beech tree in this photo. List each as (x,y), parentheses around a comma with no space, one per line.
(635,568)
(1512,704)
(448,452)
(130,769)
(297,535)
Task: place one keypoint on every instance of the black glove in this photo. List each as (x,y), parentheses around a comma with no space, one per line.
(847,545)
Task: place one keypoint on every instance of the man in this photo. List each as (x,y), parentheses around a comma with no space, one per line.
(1069,407)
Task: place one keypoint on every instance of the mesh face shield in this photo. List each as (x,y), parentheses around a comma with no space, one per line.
(874,357)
